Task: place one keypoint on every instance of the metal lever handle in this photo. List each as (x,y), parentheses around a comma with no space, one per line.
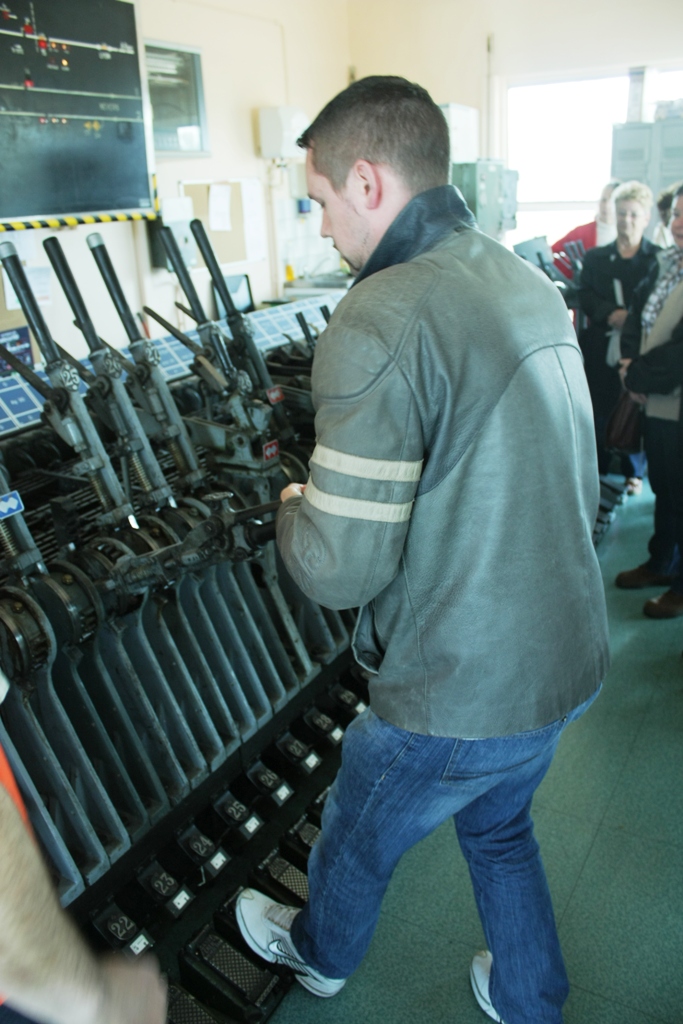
(36,382)
(259,534)
(239,326)
(27,301)
(183,274)
(306,330)
(186,311)
(70,288)
(188,342)
(209,257)
(256,511)
(106,268)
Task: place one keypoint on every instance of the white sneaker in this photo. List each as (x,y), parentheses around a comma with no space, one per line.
(265,927)
(480,972)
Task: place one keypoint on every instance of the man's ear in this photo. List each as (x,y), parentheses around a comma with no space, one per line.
(366,180)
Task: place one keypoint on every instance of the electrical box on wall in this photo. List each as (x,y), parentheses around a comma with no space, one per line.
(298,188)
(279,128)
(463,126)
(648,152)
(490,191)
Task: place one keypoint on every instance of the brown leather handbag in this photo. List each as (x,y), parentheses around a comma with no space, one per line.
(624,430)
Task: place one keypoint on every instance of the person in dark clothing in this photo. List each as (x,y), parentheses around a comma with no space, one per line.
(608,281)
(652,368)
(600,231)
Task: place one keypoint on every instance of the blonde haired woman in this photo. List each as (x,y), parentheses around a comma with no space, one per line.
(610,276)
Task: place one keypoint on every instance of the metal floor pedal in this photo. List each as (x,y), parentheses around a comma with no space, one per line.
(184,1008)
(281,880)
(224,978)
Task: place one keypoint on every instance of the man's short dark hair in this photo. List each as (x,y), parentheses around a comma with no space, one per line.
(385,120)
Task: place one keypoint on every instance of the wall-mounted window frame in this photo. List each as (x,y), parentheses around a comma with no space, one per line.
(183,133)
(562,166)
(554,217)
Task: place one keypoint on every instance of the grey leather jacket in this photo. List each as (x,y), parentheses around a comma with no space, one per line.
(454,484)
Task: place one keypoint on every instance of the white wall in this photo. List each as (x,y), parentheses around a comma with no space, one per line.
(254,54)
(443,45)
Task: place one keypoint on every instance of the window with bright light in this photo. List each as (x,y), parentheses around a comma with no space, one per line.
(560,137)
(560,141)
(663,87)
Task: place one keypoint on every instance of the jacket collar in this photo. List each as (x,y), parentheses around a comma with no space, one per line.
(427,218)
(647,248)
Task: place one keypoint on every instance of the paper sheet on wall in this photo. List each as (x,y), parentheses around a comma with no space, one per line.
(255,233)
(41,285)
(189,137)
(219,207)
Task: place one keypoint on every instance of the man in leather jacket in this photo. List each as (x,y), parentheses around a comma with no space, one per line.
(452,496)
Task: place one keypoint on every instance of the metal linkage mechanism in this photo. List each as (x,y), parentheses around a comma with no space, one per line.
(306,330)
(64,407)
(242,336)
(147,382)
(175,703)
(226,534)
(291,365)
(214,340)
(108,395)
(44,613)
(241,443)
(20,555)
(245,439)
(201,365)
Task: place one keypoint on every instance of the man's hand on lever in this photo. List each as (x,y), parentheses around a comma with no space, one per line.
(292,491)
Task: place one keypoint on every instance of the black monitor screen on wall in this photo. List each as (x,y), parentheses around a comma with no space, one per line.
(72,134)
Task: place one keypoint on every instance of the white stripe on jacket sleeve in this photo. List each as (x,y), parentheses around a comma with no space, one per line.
(366,469)
(356,508)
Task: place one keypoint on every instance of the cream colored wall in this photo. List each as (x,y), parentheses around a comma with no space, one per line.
(443,45)
(254,53)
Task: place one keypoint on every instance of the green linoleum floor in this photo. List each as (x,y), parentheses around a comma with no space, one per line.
(609,818)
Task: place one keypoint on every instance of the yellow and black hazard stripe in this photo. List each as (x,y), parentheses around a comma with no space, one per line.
(86,218)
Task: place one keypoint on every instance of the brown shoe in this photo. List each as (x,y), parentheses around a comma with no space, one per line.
(667,606)
(642,576)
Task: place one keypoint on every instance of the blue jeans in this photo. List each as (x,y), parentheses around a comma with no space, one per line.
(394,788)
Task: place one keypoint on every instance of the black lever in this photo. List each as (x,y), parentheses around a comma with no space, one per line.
(240,328)
(306,330)
(15,272)
(32,378)
(183,274)
(175,331)
(75,299)
(106,268)
(186,311)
